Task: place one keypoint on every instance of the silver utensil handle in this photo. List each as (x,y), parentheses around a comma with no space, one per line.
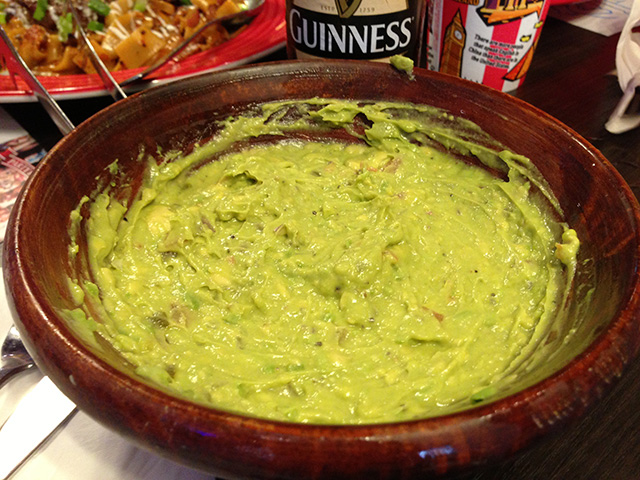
(16,64)
(105,75)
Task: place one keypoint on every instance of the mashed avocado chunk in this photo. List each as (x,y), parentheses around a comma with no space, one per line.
(326,281)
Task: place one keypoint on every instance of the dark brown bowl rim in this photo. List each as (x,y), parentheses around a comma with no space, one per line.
(594,370)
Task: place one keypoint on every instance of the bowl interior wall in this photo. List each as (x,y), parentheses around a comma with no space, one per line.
(182,115)
(176,116)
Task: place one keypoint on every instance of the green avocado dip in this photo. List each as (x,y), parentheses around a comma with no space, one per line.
(403,64)
(363,276)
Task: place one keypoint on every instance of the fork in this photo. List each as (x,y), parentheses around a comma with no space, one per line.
(16,65)
(115,89)
(14,357)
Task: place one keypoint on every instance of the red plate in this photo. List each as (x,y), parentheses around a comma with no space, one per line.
(264,35)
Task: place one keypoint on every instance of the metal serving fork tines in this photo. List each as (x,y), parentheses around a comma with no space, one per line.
(16,65)
(105,75)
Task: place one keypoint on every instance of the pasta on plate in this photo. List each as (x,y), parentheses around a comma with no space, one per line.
(126,34)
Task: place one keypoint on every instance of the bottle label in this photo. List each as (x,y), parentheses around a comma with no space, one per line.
(357,29)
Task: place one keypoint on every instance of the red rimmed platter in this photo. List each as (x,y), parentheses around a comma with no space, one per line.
(265,34)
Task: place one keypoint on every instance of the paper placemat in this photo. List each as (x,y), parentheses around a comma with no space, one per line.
(606,17)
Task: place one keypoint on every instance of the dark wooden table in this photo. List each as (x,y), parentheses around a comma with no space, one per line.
(571,78)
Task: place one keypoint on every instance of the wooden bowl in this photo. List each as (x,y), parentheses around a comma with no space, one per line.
(596,201)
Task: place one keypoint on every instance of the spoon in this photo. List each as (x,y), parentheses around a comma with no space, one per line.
(14,357)
(250,10)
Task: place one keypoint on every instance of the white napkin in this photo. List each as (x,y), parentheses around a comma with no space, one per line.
(628,68)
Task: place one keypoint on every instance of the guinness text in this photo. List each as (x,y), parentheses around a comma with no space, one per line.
(364,37)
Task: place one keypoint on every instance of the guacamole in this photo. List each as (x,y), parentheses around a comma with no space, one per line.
(368,274)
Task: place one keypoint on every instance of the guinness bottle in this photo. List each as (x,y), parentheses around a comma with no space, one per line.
(354,29)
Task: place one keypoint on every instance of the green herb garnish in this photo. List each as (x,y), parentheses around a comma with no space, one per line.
(3,18)
(99,7)
(95,26)
(140,5)
(65,26)
(41,10)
